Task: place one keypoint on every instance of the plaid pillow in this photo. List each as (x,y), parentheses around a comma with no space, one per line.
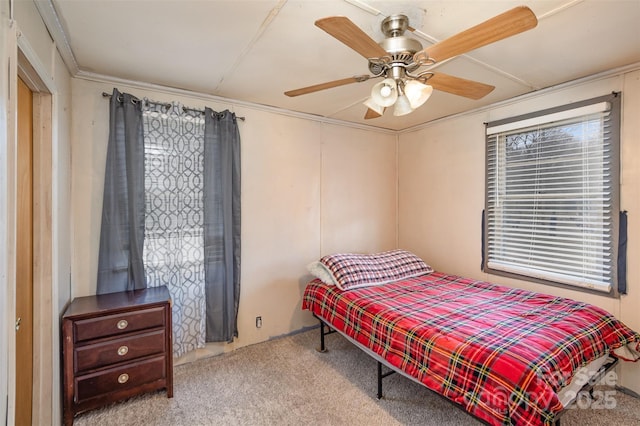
(351,270)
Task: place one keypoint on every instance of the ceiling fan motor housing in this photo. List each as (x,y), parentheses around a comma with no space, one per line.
(399,47)
(394,25)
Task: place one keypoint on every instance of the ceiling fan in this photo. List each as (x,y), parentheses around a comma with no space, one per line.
(405,65)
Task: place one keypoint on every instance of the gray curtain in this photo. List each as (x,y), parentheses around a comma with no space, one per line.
(120,264)
(221,224)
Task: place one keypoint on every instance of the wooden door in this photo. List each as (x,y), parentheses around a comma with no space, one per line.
(24,258)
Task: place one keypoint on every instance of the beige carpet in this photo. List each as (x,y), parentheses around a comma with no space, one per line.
(286,382)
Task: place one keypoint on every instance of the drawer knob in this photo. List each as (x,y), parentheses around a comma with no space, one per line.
(122,324)
(122,350)
(123,378)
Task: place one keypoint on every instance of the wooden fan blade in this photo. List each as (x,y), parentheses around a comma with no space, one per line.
(350,34)
(459,86)
(372,114)
(507,24)
(327,85)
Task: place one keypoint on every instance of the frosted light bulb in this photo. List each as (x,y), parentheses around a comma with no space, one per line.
(385,92)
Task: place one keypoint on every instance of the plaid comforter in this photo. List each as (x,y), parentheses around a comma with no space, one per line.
(500,353)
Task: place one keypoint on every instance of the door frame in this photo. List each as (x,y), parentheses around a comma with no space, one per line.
(46,382)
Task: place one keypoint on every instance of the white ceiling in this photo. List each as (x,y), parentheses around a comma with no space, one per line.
(254,50)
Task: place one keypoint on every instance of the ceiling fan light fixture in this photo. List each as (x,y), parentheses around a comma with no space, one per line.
(385,93)
(417,92)
(403,106)
(372,105)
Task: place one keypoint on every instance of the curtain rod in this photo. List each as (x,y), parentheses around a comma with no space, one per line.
(165,104)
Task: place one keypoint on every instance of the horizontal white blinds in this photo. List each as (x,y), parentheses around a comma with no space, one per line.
(549,198)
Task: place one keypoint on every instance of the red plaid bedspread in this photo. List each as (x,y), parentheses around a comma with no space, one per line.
(500,353)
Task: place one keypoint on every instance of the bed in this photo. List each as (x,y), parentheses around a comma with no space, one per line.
(505,355)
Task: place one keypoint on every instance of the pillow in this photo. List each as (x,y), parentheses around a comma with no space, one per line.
(318,270)
(351,270)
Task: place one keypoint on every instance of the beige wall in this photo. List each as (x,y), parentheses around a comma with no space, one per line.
(308,188)
(441,192)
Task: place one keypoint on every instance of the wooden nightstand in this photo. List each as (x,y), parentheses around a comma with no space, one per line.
(116,346)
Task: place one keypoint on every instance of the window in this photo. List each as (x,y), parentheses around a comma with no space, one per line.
(552,195)
(171,213)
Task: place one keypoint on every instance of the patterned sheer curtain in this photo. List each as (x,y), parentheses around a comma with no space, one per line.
(174,220)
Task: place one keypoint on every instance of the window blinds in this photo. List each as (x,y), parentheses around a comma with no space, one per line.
(550,197)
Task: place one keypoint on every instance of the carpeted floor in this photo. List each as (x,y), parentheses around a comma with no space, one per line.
(287,382)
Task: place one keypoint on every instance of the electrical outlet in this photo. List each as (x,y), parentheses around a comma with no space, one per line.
(258,322)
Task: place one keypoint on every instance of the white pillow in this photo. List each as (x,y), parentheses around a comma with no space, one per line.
(318,270)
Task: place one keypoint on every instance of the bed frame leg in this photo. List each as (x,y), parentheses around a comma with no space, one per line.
(382,376)
(379,380)
(322,334)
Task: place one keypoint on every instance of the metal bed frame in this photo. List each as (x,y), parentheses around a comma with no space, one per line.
(588,387)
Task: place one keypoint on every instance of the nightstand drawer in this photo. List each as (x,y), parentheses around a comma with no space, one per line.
(111,325)
(120,378)
(123,349)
